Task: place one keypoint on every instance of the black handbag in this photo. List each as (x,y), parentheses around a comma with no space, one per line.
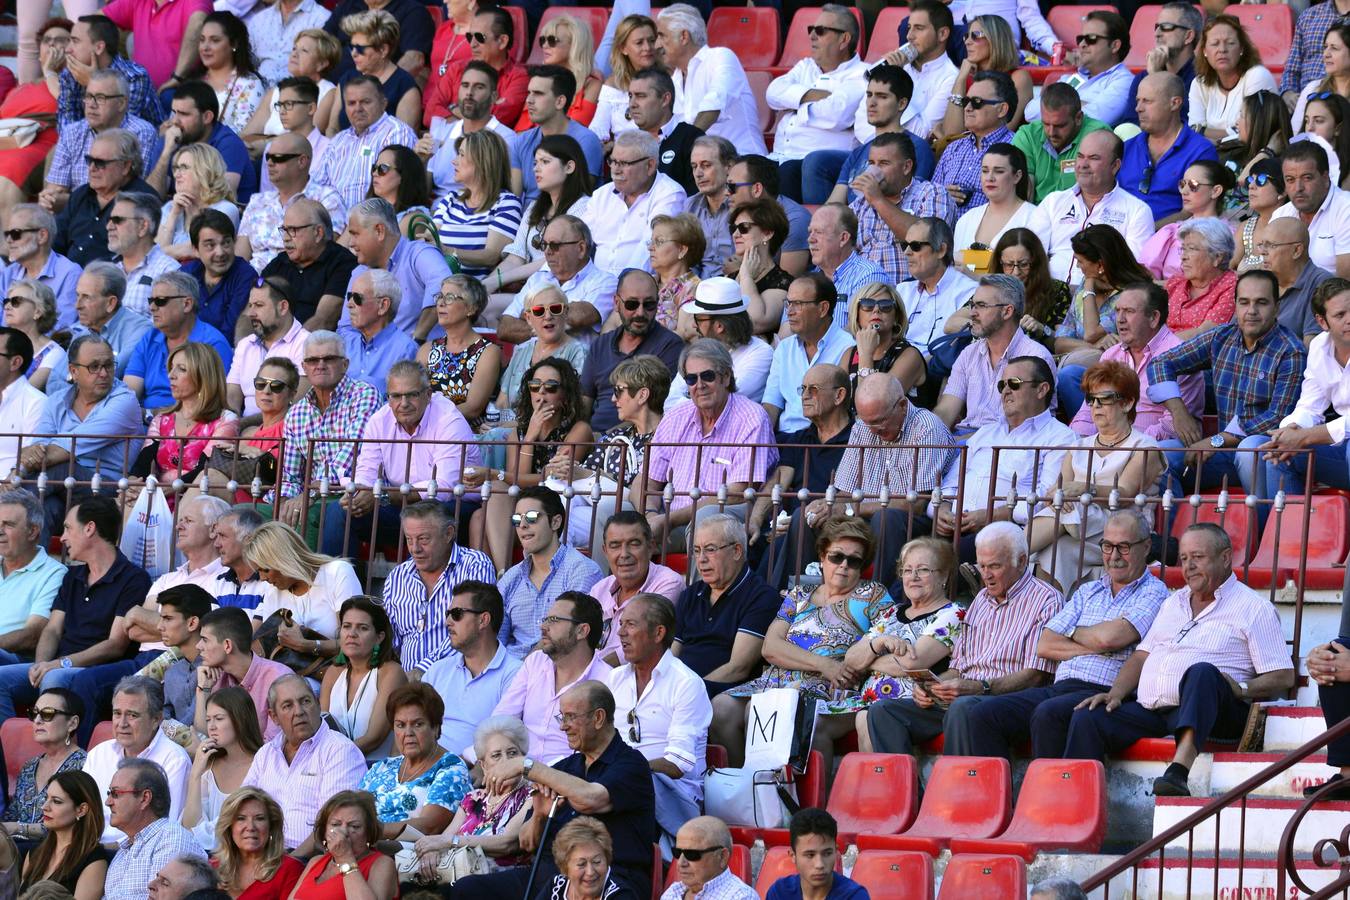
(266,643)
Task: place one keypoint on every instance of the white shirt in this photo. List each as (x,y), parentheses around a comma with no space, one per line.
(672,718)
(1326,383)
(20,408)
(611,113)
(750,364)
(716,81)
(1068,215)
(102,765)
(592,285)
(1213,107)
(1028,215)
(927,312)
(825,124)
(621,231)
(1329,230)
(204,578)
(441,166)
(318,608)
(932,88)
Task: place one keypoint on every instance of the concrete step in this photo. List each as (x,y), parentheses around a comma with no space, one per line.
(1290,727)
(1178,879)
(1228,770)
(1258,827)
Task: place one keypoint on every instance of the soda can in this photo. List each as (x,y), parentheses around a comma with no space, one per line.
(1057,54)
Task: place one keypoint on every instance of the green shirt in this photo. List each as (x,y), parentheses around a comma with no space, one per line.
(1051,171)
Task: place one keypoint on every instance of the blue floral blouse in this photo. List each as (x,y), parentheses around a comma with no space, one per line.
(444,784)
(26,804)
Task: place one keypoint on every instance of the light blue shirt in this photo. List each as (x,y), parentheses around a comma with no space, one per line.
(59,274)
(790,363)
(522,155)
(525,605)
(420,268)
(1105,96)
(149,361)
(853,273)
(474,696)
(29,591)
(119,413)
(1093,603)
(369,360)
(123,331)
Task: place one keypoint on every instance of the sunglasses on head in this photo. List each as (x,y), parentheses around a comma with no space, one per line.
(553,309)
(270,385)
(634,305)
(530,517)
(836,558)
(551,386)
(1322,95)
(707,375)
(459,612)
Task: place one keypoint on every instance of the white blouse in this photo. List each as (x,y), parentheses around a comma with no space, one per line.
(611,113)
(1028,215)
(1213,107)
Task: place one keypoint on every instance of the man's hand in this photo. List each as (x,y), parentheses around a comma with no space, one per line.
(39,669)
(52,198)
(974,520)
(32,457)
(54,60)
(958,194)
(812,96)
(659,523)
(869,187)
(922,698)
(425,146)
(208,677)
(360,502)
(1197,451)
(1104,699)
(1107,341)
(78,70)
(508,772)
(1156,60)
(948,691)
(1188,429)
(291,509)
(944,522)
(1284,441)
(816,511)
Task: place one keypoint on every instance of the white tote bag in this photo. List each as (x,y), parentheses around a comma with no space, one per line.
(147,539)
(780,724)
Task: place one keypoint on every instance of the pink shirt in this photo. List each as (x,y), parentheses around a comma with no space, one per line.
(660,580)
(1216,304)
(323,765)
(159,31)
(533,697)
(443,433)
(259,677)
(250,353)
(1151,418)
(739,448)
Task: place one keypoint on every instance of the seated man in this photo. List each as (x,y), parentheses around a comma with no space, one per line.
(273,331)
(620,214)
(832,239)
(1192,690)
(1322,205)
(130,230)
(568,265)
(710,202)
(31,579)
(672,729)
(938,288)
(305,763)
(317,268)
(651,107)
(549,569)
(1089,638)
(476,669)
(813,837)
(373,344)
(1155,161)
(113,167)
(94,46)
(721,619)
(100,311)
(223,278)
(891,198)
(346,165)
(184,876)
(988,106)
(138,713)
(1102,79)
(30,231)
(378,242)
(418,592)
(139,804)
(181,610)
(439,146)
(570,634)
(815,336)
(238,583)
(297,102)
(287,161)
(1286,256)
(627,541)
(21,404)
(1001,661)
(194,118)
(708,839)
(227,659)
(174,301)
(547,100)
(1051,144)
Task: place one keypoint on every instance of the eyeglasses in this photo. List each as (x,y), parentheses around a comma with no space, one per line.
(459,612)
(621,389)
(1267,246)
(288,105)
(914,246)
(1123,548)
(553,309)
(356,297)
(96,368)
(277,159)
(161,302)
(114,793)
(15,234)
(707,376)
(822,30)
(100,99)
(916,572)
(330,360)
(381,168)
(1192,185)
(634,727)
(634,305)
(447,299)
(568,718)
(836,558)
(549,40)
(554,246)
(697,552)
(616,163)
(808,390)
(1089,39)
(1167,27)
(270,385)
(94,162)
(742,227)
(693,854)
(982,306)
(182,167)
(1105,398)
(871,304)
(361,49)
(291,231)
(1013,384)
(477,37)
(1260,179)
(551,386)
(528,518)
(47,713)
(1018,265)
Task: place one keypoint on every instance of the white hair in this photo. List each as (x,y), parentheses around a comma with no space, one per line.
(638,140)
(1008,535)
(1216,234)
(323,338)
(384,284)
(683,17)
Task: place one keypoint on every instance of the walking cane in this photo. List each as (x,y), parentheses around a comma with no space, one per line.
(539,851)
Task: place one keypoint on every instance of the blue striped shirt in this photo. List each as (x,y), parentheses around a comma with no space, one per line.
(419,619)
(568,570)
(1093,603)
(463,228)
(345,166)
(853,273)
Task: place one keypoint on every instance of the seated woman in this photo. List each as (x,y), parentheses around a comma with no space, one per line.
(1204,191)
(1118,457)
(633,49)
(30,306)
(1021,254)
(275,388)
(1336,66)
(1265,128)
(758,230)
(251,853)
(463,364)
(198,184)
(546,312)
(990,46)
(400,177)
(417,790)
(806,644)
(374,36)
(719,311)
(1107,264)
(489,817)
(475,224)
(21,168)
(70,854)
(1203,295)
(56,720)
(222,760)
(1227,69)
(348,828)
(1006,183)
(675,252)
(312,586)
(225,61)
(357,688)
(877,321)
(314,55)
(1265,194)
(1328,118)
(565,41)
(583,852)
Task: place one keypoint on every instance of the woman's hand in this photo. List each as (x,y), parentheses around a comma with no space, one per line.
(340,846)
(54,60)
(1032,325)
(249,451)
(541,422)
(474,476)
(291,636)
(756,261)
(134,488)
(202,759)
(869,341)
(1107,341)
(184,202)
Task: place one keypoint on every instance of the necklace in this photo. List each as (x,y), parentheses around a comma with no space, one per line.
(1102,443)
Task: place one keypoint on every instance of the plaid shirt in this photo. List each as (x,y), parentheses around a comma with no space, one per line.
(140,858)
(1305,56)
(68,166)
(142,101)
(352,405)
(1253,389)
(1093,603)
(896,465)
(418,616)
(960,165)
(877,242)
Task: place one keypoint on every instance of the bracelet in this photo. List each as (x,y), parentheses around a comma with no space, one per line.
(870,646)
(316,647)
(499,279)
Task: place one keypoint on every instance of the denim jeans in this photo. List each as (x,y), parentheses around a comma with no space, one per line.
(15,687)
(1331,466)
(820,173)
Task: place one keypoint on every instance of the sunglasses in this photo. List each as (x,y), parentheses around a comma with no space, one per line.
(549,40)
(94,162)
(459,612)
(477,37)
(1089,39)
(914,246)
(1013,384)
(534,515)
(47,713)
(743,227)
(976,103)
(634,728)
(1105,398)
(822,30)
(323,360)
(869,304)
(270,385)
(15,234)
(552,386)
(553,309)
(708,376)
(1190,184)
(161,302)
(1167,27)
(356,297)
(1261,179)
(634,305)
(835,558)
(277,159)
(361,49)
(554,246)
(381,168)
(15,301)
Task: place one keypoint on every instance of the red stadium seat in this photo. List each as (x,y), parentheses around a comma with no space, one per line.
(103,731)
(520,40)
(966,797)
(895,874)
(1271,28)
(984,877)
(1237,519)
(595,16)
(759,86)
(798,43)
(1328,544)
(1067,21)
(1062,806)
(678,561)
(876,793)
(752,31)
(717,756)
(739,865)
(886,32)
(437,14)
(16,735)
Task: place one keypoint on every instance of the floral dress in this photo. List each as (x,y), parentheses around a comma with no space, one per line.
(239,101)
(674,294)
(481,820)
(1072,326)
(452,373)
(445,784)
(941,625)
(26,804)
(823,630)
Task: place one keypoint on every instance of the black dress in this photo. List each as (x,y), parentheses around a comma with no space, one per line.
(95,855)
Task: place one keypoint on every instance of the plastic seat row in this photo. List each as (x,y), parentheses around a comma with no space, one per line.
(908,875)
(16,736)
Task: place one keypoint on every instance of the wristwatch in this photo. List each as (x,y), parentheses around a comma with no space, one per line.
(1218,442)
(346,868)
(526,765)
(985,687)
(66,663)
(1245,691)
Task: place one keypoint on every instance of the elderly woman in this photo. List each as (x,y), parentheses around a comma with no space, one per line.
(1227,69)
(491,821)
(274,390)
(1021,254)
(633,49)
(1107,264)
(314,55)
(583,852)
(676,249)
(56,719)
(877,321)
(417,791)
(546,312)
(463,365)
(399,177)
(70,853)
(1265,194)
(30,307)
(1203,295)
(198,183)
(1006,183)
(1204,189)
(806,644)
(758,230)
(564,41)
(718,311)
(640,388)
(227,64)
(374,41)
(476,224)
(251,853)
(1118,457)
(312,586)
(990,46)
(348,827)
(356,691)
(221,761)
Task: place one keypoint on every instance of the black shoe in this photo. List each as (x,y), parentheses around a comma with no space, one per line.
(1340,793)
(1170,785)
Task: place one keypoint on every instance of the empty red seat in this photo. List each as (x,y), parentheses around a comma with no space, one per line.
(595,16)
(759,87)
(979,876)
(739,865)
(1236,519)
(1271,28)
(678,561)
(1067,21)
(797,46)
(966,797)
(895,874)
(886,32)
(752,31)
(875,793)
(1326,539)
(103,731)
(716,756)
(16,735)
(1062,806)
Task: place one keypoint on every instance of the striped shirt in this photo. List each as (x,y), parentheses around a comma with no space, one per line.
(323,765)
(351,406)
(1094,603)
(419,618)
(463,228)
(139,859)
(721,455)
(69,169)
(870,463)
(999,639)
(1238,633)
(878,243)
(345,166)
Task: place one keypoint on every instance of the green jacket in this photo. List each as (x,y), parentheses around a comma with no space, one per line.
(1050,172)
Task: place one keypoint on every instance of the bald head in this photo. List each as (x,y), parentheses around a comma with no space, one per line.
(1285,249)
(287,159)
(1164,84)
(289,142)
(710,831)
(878,392)
(1289,229)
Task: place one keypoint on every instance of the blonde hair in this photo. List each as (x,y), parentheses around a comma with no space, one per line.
(207,372)
(330,51)
(944,557)
(870,292)
(376,24)
(208,167)
(491,163)
(581,59)
(228,854)
(581,832)
(277,547)
(1003,54)
(623,70)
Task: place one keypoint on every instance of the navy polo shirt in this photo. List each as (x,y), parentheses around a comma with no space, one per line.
(91,608)
(816,470)
(660,342)
(329,274)
(789,887)
(82,227)
(223,304)
(1138,171)
(237,160)
(706,630)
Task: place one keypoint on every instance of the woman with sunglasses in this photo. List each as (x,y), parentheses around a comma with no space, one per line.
(56,719)
(633,49)
(463,365)
(676,250)
(275,388)
(374,37)
(805,646)
(758,230)
(1264,128)
(1021,254)
(226,62)
(990,46)
(877,321)
(1265,194)
(70,853)
(357,688)
(1006,183)
(1089,325)
(400,177)
(546,312)
(314,55)
(30,307)
(1204,187)
(475,224)
(1327,116)
(312,586)
(564,41)
(221,760)
(1227,69)
(1336,62)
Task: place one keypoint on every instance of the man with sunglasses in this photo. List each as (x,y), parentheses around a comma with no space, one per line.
(29,232)
(638,334)
(987,107)
(140,807)
(937,287)
(1154,161)
(815,338)
(1176,36)
(662,709)
(131,228)
(374,345)
(174,300)
(490,36)
(702,854)
(287,160)
(570,267)
(113,164)
(1102,79)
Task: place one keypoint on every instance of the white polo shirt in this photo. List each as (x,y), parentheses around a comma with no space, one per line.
(621,231)
(1069,215)
(1329,230)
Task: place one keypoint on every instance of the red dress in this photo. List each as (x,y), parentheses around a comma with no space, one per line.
(332,889)
(29,101)
(279,886)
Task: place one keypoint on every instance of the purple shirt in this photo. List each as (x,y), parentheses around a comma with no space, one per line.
(722,455)
(383,455)
(533,697)
(660,580)
(974,378)
(1151,418)
(323,765)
